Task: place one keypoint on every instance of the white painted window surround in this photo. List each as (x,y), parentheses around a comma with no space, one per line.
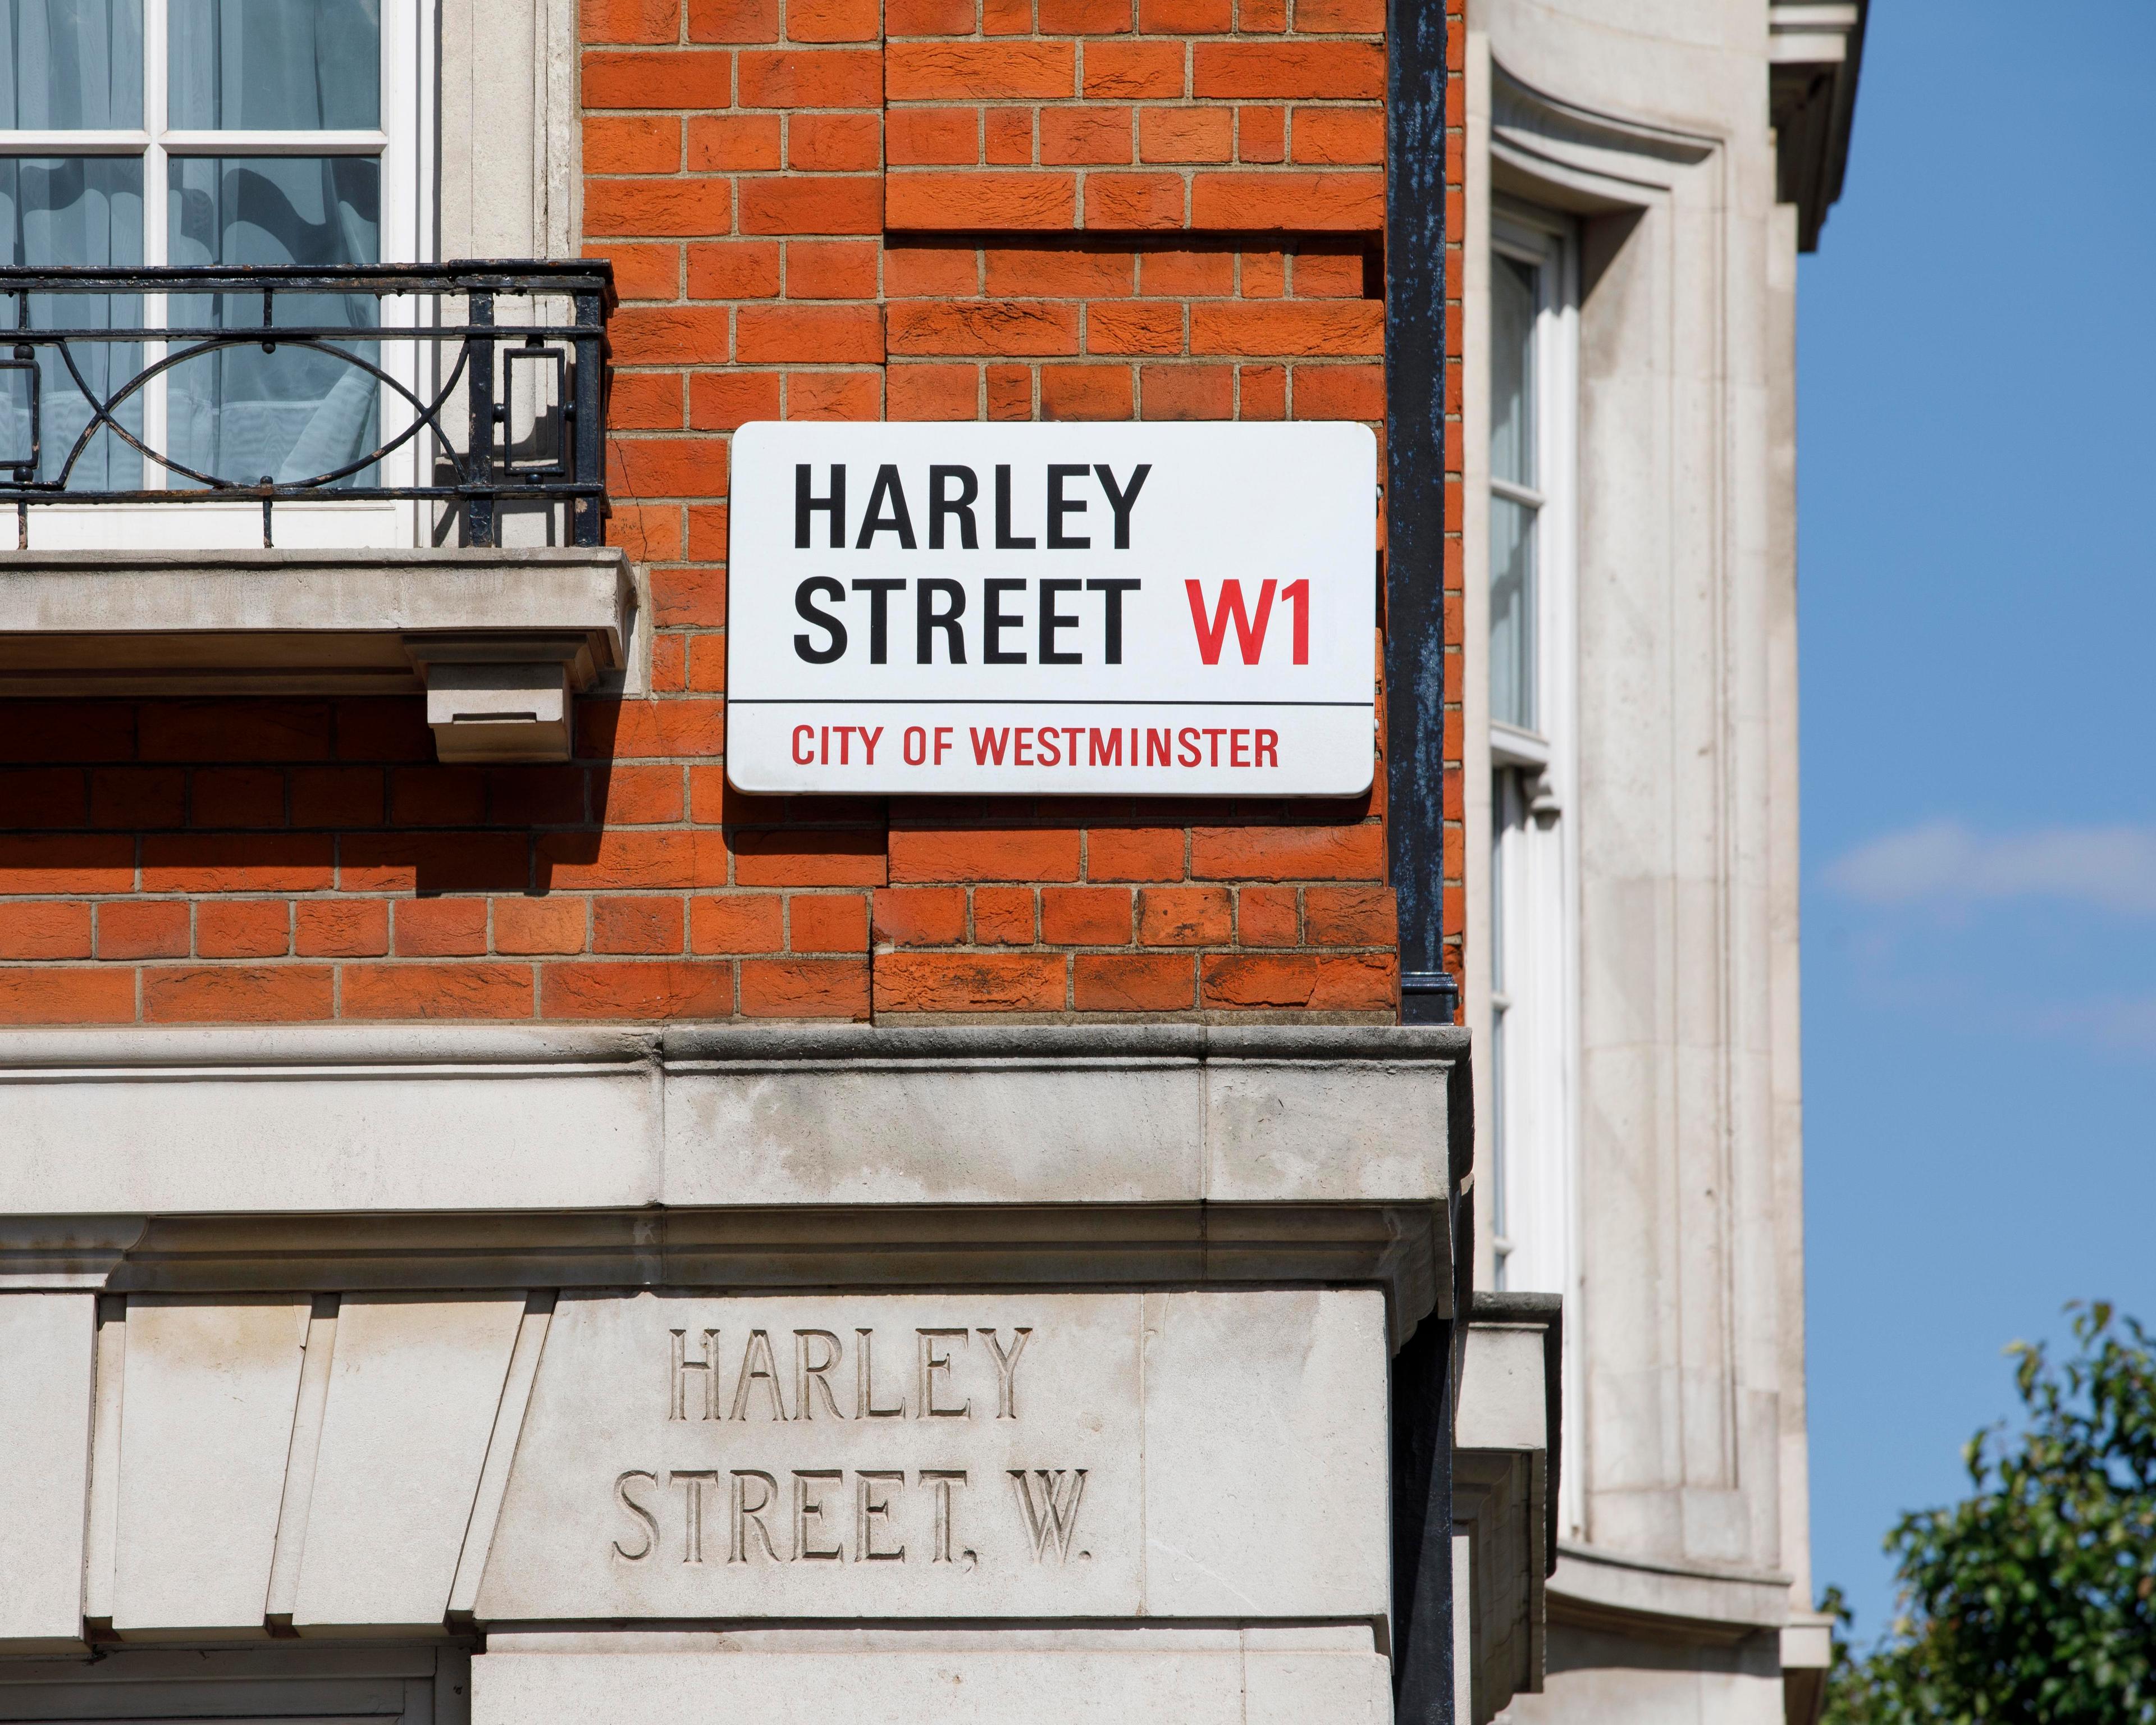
(1534,988)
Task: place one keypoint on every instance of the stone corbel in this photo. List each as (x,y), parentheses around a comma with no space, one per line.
(502,697)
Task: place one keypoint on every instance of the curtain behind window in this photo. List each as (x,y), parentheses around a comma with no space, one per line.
(70,64)
(277,65)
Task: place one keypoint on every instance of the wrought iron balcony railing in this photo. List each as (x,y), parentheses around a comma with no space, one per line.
(469,387)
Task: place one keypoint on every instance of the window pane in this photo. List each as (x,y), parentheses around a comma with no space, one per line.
(1512,643)
(296,413)
(80,211)
(277,65)
(69,65)
(1515,296)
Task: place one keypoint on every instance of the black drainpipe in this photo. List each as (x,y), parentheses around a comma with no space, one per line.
(1426,1368)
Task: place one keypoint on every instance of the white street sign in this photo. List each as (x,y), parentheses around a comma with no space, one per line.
(1034,610)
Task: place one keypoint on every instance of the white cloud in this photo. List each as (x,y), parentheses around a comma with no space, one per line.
(1945,864)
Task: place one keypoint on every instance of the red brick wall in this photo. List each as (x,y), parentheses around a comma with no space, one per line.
(815,209)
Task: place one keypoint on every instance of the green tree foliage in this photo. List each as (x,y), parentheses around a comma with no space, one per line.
(2029,1603)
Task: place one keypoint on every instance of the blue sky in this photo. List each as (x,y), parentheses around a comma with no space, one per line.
(1977,364)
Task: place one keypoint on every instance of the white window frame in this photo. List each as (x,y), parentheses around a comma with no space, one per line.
(1534,1001)
(406,146)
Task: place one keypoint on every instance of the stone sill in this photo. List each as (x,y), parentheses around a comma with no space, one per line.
(498,641)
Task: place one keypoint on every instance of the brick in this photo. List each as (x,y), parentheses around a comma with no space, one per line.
(649,535)
(1007,136)
(734,20)
(271,862)
(928,18)
(970,982)
(921,915)
(821,856)
(138,797)
(1004,917)
(237,994)
(1083,134)
(1258,16)
(1186,393)
(827,923)
(1186,135)
(534,796)
(530,927)
(685,207)
(913,269)
(983,854)
(249,731)
(624,795)
(376,730)
(1339,392)
(48,731)
(737,922)
(1350,853)
(1351,916)
(833,395)
(67,996)
(1266,917)
(437,796)
(642,272)
(818,78)
(45,798)
(1006,17)
(1151,982)
(440,927)
(644,401)
(1317,202)
(1186,18)
(1261,135)
(1133,71)
(1078,392)
(1084,18)
(666,467)
(814,988)
(1262,274)
(671,335)
(721,401)
(433,862)
(435,991)
(628,20)
(1085,916)
(1356,983)
(617,860)
(1308,328)
(1011,392)
(917,137)
(727,143)
(1262,392)
(708,532)
(733,269)
(1134,854)
(157,929)
(834,20)
(1331,275)
(632,144)
(1184,917)
(56,863)
(929,391)
(1342,135)
(834,143)
(842,205)
(1359,17)
(44,929)
(1297,71)
(1012,327)
(637,925)
(979,71)
(1056,271)
(1187,274)
(244,928)
(832,335)
(341,928)
(636,989)
(1014,201)
(1141,327)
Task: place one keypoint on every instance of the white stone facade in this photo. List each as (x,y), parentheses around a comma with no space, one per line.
(1643,825)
